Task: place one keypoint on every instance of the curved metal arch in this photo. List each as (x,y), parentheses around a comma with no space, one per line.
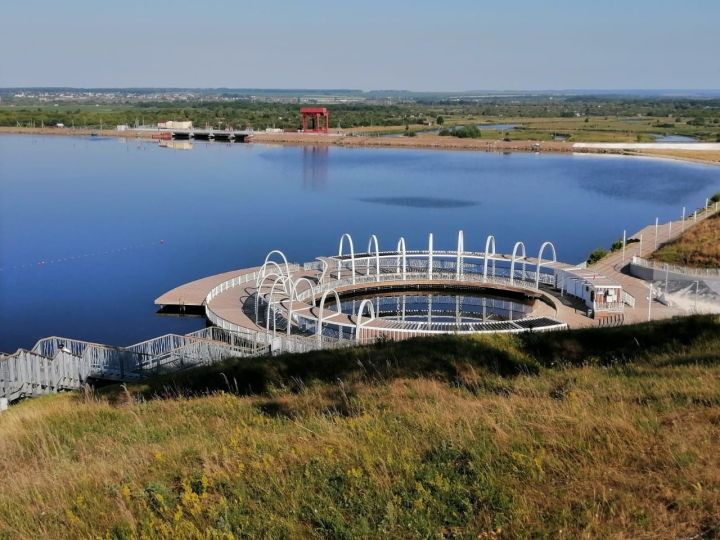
(318,331)
(430,256)
(294,296)
(539,261)
(403,256)
(460,251)
(358,320)
(259,287)
(373,240)
(284,280)
(284,258)
(489,244)
(326,268)
(352,255)
(262,272)
(514,259)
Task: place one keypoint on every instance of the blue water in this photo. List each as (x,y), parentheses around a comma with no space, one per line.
(93,230)
(674,138)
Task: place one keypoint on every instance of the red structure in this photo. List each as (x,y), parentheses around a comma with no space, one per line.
(315,114)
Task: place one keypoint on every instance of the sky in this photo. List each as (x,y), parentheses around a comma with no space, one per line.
(421,45)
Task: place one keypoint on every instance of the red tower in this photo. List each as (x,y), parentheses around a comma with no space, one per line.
(315,114)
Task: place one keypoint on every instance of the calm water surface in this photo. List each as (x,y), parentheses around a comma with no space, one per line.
(93,230)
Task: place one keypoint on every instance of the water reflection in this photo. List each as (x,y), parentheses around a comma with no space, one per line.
(176,145)
(315,167)
(441,307)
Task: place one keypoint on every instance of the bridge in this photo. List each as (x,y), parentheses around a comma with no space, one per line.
(204,134)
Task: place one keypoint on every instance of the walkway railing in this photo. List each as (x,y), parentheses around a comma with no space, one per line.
(655,265)
(57,363)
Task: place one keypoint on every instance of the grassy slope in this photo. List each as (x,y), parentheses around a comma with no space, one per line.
(698,247)
(597,433)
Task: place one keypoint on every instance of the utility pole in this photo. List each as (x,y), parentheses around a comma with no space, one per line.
(624,242)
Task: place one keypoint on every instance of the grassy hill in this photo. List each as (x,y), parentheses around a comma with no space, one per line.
(593,433)
(698,247)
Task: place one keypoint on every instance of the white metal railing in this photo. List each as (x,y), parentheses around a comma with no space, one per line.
(57,363)
(628,299)
(676,269)
(613,307)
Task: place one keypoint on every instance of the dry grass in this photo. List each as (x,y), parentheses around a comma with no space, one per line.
(698,247)
(621,450)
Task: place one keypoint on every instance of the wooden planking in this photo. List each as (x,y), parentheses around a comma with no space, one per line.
(194,293)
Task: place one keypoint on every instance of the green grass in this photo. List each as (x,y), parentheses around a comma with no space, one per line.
(698,247)
(593,433)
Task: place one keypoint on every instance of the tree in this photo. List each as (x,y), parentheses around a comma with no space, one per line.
(440,120)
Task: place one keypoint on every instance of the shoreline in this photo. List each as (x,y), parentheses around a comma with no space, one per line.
(422,142)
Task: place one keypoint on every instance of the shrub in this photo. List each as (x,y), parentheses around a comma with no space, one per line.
(618,244)
(596,255)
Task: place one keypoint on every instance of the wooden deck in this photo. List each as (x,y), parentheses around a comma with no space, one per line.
(194,293)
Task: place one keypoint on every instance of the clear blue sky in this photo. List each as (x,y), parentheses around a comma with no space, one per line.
(367,44)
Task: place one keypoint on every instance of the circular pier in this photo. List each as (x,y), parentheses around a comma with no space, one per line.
(360,297)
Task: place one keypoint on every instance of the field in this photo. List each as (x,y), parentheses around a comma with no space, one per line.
(537,118)
(698,247)
(593,433)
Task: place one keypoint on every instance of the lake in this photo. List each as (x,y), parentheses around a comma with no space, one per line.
(92,230)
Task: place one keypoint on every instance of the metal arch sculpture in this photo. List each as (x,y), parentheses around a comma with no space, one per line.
(352,255)
(373,240)
(318,331)
(284,280)
(430,256)
(460,251)
(514,259)
(284,258)
(402,256)
(489,243)
(358,320)
(539,261)
(325,269)
(263,271)
(259,287)
(294,295)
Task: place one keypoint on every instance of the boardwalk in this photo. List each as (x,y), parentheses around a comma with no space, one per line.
(614,266)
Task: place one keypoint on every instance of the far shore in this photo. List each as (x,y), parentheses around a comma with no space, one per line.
(421,141)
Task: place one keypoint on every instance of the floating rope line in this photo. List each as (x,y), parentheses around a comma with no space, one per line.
(71,258)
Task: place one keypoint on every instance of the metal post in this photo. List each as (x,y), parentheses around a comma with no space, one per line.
(697,293)
(650,298)
(670,230)
(641,238)
(657,220)
(667,271)
(695,216)
(624,242)
(430,256)
(683,221)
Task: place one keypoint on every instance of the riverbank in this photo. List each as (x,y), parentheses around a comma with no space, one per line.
(423,141)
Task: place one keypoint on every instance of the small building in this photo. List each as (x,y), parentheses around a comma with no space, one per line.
(59,125)
(122,127)
(601,295)
(175,124)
